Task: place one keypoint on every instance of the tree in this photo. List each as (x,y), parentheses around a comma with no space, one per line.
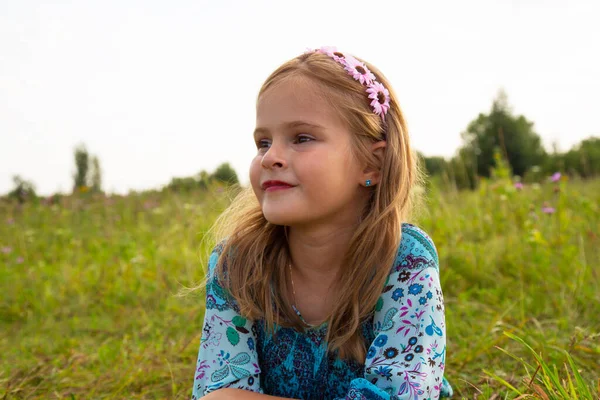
(225,173)
(82,166)
(96,175)
(23,191)
(584,158)
(88,173)
(512,135)
(434,165)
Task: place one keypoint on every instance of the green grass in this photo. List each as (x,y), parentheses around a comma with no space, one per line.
(89,306)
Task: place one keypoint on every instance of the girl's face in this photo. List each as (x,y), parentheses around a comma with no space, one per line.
(301,141)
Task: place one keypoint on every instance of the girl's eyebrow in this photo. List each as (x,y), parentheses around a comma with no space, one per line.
(288,125)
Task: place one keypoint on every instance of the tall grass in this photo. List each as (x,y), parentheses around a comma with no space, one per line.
(89,307)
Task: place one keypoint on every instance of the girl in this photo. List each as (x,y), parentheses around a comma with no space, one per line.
(318,290)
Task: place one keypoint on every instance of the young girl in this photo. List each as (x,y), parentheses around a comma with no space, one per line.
(317,289)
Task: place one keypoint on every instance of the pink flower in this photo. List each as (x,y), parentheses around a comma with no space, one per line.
(332,52)
(6,250)
(547,209)
(19,260)
(518,185)
(10,221)
(381,98)
(359,70)
(556,177)
(329,50)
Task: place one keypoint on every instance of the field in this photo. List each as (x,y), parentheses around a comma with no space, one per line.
(89,305)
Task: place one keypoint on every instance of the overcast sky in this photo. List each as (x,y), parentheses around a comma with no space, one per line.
(159,89)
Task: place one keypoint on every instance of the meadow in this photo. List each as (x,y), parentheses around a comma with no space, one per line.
(89,306)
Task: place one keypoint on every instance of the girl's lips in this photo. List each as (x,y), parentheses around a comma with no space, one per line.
(277,187)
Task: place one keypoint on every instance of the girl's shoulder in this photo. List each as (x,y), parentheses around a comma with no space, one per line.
(416,250)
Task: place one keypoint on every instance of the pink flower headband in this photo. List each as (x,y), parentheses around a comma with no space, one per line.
(379,95)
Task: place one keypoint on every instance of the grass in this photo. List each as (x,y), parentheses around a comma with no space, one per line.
(89,306)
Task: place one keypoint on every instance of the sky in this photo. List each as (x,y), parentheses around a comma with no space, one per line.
(160,89)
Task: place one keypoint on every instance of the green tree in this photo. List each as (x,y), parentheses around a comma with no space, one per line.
(82,159)
(95,175)
(434,165)
(225,173)
(512,135)
(23,190)
(584,158)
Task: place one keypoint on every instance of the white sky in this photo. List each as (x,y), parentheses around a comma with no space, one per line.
(159,89)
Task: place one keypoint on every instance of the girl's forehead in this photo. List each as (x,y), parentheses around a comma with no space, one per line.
(294,100)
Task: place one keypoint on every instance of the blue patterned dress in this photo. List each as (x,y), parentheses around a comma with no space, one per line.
(406,340)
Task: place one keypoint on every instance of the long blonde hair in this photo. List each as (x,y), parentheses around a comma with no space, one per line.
(253,261)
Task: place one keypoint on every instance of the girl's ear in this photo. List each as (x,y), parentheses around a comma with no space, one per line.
(369,173)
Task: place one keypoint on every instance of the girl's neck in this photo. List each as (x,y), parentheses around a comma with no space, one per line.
(317,254)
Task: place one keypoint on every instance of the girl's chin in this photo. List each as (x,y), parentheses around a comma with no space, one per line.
(278,219)
(281,215)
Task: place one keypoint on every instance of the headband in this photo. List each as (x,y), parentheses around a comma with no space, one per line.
(379,95)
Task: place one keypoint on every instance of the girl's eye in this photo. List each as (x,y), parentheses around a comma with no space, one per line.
(303,139)
(261,144)
(264,144)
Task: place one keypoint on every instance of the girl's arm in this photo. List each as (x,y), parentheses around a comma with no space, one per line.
(240,394)
(407,358)
(227,357)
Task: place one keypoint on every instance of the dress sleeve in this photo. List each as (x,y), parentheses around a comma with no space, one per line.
(227,355)
(406,360)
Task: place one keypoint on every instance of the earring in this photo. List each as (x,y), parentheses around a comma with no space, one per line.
(368,183)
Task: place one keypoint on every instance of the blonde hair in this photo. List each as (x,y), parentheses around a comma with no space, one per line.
(255,254)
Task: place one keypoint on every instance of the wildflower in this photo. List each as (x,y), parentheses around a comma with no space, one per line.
(6,250)
(10,221)
(518,185)
(547,209)
(19,260)
(556,177)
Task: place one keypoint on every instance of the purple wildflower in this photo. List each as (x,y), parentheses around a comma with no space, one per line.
(6,250)
(556,177)
(518,185)
(547,209)
(19,260)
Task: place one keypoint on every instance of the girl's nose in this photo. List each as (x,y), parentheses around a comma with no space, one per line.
(273,158)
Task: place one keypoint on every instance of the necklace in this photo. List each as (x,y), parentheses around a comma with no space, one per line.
(294,298)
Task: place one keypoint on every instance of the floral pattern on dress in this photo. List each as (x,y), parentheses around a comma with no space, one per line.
(405,338)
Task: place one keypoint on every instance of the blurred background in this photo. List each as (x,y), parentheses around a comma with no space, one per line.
(126,128)
(158,90)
